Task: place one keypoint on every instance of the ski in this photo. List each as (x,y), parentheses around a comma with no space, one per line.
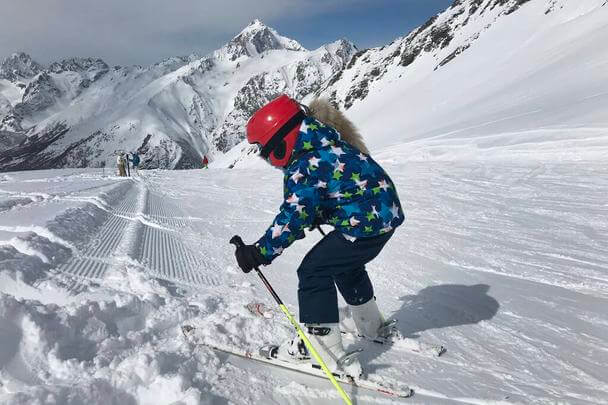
(400,342)
(390,335)
(396,389)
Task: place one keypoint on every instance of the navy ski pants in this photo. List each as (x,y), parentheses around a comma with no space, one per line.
(336,261)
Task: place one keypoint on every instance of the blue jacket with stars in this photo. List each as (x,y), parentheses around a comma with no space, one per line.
(328,181)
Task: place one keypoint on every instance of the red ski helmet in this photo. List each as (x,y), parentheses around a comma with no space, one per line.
(275,128)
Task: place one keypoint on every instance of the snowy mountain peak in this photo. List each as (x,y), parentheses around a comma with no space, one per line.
(79,110)
(254,39)
(254,25)
(78,65)
(19,66)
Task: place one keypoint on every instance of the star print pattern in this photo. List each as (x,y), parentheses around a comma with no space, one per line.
(314,161)
(293,199)
(337,151)
(296,176)
(330,182)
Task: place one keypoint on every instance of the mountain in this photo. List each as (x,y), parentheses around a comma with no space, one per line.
(16,72)
(19,66)
(77,112)
(254,40)
(486,78)
(483,79)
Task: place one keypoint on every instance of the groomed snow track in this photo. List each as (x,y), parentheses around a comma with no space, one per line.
(165,254)
(142,230)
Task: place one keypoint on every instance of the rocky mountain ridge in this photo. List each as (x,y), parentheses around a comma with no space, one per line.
(19,66)
(76,112)
(438,41)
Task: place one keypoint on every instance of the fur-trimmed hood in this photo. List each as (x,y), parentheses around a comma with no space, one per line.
(322,110)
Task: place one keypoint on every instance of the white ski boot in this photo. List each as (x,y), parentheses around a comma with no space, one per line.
(368,320)
(327,341)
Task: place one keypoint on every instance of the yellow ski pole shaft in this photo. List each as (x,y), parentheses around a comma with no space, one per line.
(237,241)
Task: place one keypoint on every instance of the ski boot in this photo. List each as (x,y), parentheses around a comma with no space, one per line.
(366,322)
(369,322)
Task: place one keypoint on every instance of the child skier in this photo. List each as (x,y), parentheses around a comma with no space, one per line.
(329,178)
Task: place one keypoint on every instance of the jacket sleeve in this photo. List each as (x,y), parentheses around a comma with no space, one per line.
(297,213)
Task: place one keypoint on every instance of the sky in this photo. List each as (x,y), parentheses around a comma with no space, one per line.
(126,32)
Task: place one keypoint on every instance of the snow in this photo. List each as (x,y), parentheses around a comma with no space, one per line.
(11,92)
(503,263)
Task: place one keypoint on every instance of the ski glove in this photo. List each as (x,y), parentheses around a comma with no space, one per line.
(248,257)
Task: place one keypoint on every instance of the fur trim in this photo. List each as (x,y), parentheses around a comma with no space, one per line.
(322,110)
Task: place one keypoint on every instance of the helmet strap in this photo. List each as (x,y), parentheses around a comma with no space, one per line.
(278,137)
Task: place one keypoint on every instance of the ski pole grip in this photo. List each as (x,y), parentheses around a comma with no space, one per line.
(237,241)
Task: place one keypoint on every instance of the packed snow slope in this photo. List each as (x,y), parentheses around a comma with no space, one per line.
(504,263)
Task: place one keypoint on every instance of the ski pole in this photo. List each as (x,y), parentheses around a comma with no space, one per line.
(238,242)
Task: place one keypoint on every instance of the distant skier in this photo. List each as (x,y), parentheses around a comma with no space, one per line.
(205,162)
(135,161)
(329,178)
(127,164)
(121,161)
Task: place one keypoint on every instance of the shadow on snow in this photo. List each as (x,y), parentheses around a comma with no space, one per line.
(443,306)
(439,306)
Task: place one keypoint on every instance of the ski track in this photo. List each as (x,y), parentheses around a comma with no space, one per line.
(165,252)
(144,226)
(96,258)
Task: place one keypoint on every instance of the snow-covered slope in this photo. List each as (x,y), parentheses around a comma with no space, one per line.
(77,112)
(487,79)
(505,264)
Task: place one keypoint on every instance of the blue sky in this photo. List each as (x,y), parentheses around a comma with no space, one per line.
(146,31)
(369,24)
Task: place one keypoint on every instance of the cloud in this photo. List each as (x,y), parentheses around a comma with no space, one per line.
(136,31)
